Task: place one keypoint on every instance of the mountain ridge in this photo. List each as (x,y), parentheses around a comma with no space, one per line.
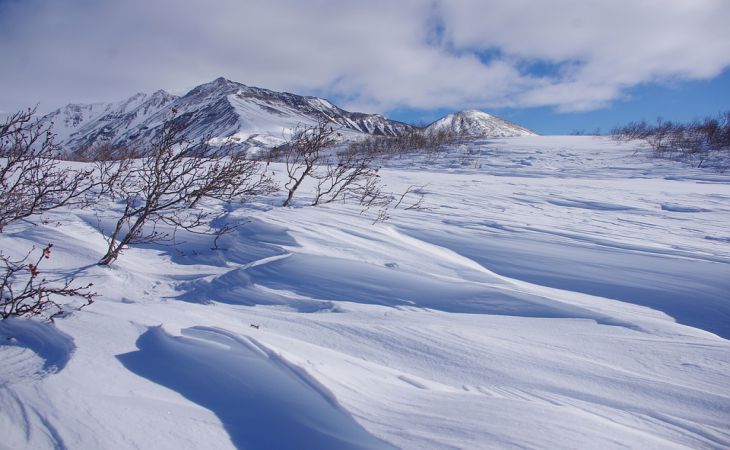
(227,112)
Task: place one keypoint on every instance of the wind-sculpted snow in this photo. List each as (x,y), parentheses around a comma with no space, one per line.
(692,291)
(553,292)
(262,401)
(330,279)
(34,340)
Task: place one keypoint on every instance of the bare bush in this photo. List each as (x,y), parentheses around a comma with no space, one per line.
(346,174)
(303,152)
(167,186)
(701,143)
(32,178)
(309,153)
(413,199)
(410,141)
(631,131)
(25,292)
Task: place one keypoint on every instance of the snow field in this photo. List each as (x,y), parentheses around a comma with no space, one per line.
(562,292)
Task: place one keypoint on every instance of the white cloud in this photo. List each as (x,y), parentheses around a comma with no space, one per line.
(617,43)
(376,55)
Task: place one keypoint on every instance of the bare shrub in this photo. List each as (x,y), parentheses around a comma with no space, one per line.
(413,199)
(303,152)
(346,174)
(415,140)
(310,153)
(701,143)
(33,180)
(24,291)
(631,131)
(167,186)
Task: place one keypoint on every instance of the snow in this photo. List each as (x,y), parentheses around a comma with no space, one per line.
(560,292)
(222,112)
(74,124)
(473,122)
(242,381)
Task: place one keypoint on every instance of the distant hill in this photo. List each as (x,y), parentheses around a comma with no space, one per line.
(476,123)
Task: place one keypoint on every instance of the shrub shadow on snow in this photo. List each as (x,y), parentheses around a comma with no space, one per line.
(248,240)
(261,400)
(43,338)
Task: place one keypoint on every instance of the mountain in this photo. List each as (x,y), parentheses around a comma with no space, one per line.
(79,125)
(227,112)
(476,123)
(222,111)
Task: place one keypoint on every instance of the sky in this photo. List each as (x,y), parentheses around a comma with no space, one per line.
(554,66)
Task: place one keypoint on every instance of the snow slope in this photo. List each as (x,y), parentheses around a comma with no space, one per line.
(561,292)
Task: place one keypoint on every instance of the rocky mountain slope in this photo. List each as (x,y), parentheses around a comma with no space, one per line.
(226,112)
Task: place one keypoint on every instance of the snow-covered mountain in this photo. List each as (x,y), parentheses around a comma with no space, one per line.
(221,111)
(227,112)
(476,123)
(79,125)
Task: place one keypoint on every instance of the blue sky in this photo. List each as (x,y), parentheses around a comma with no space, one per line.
(553,66)
(679,101)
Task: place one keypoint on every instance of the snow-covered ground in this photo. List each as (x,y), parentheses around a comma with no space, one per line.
(561,292)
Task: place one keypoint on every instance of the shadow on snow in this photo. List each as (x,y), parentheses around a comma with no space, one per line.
(262,400)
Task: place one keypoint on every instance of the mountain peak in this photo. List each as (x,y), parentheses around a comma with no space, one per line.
(220,111)
(226,112)
(476,123)
(161,93)
(222,81)
(220,85)
(474,113)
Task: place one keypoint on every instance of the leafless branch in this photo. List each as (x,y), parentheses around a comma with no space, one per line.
(32,178)
(168,185)
(303,151)
(25,292)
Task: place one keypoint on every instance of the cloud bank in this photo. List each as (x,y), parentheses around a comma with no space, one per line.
(376,56)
